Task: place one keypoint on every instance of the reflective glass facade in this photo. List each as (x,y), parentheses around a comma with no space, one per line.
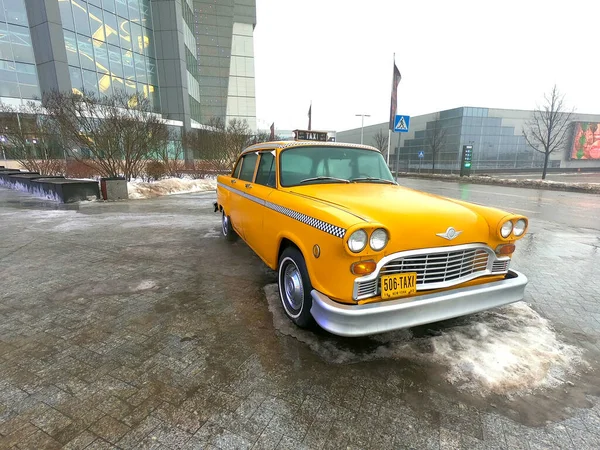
(202,68)
(110,47)
(497,142)
(18,74)
(225,52)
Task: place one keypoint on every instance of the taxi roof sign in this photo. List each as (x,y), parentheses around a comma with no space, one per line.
(309,135)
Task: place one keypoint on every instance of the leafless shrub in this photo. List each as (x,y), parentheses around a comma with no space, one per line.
(31,138)
(115,134)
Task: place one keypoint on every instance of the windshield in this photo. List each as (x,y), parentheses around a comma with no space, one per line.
(321,164)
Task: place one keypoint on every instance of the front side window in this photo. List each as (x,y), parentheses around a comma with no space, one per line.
(248,165)
(329,164)
(266,170)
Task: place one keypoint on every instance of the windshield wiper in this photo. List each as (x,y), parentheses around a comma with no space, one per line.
(341,180)
(372,179)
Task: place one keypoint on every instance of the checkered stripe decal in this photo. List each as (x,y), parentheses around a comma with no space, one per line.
(308,220)
(311,221)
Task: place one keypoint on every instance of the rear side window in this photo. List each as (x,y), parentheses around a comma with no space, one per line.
(266,170)
(236,170)
(248,165)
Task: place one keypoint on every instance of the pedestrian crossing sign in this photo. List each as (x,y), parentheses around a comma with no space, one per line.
(401,124)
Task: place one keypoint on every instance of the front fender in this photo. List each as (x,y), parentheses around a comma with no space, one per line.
(329,272)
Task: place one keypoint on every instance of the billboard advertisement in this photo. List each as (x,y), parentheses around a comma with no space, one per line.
(586,141)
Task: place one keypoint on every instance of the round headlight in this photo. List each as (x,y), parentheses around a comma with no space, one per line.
(379,239)
(506,229)
(357,241)
(520,226)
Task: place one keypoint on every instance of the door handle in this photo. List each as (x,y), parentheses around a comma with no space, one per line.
(233,181)
(248,186)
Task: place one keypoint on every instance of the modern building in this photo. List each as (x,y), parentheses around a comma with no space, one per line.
(495,134)
(193,59)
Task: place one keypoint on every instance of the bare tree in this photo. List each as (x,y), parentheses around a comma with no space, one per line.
(219,145)
(238,136)
(114,135)
(547,130)
(380,142)
(262,136)
(171,156)
(31,138)
(435,139)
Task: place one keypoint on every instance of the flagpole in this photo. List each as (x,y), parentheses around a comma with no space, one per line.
(389,129)
(398,157)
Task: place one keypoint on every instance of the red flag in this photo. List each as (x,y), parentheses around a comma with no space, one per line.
(394,106)
(273,131)
(310,117)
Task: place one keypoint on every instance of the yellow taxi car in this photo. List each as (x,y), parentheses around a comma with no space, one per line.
(358,253)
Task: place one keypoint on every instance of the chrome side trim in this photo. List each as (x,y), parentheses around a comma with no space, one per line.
(361,284)
(379,317)
(300,217)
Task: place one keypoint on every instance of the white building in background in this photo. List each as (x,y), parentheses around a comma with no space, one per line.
(496,136)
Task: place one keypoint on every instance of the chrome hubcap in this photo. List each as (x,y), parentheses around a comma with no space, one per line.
(294,291)
(225,223)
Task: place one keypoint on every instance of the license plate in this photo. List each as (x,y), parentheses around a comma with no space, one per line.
(398,285)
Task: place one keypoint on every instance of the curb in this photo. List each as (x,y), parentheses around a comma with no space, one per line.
(587,188)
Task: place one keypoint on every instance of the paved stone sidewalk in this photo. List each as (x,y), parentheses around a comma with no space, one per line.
(133,325)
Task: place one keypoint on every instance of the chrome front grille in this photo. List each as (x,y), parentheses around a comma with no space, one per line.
(435,268)
(500,266)
(439,267)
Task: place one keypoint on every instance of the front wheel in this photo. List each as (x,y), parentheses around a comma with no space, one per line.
(226,228)
(295,287)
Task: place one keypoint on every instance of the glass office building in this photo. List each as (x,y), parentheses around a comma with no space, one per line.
(225,46)
(498,144)
(18,72)
(192,59)
(495,134)
(110,46)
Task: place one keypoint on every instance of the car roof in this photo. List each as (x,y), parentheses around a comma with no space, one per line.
(280,145)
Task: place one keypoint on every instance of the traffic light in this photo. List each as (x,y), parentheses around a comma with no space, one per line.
(467,158)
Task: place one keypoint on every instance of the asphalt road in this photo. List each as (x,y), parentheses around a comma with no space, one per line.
(570,209)
(135,325)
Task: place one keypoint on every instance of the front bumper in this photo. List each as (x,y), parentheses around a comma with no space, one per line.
(372,318)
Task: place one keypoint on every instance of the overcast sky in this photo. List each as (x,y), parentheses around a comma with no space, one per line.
(338,53)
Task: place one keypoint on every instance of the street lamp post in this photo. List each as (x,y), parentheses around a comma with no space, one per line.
(362,125)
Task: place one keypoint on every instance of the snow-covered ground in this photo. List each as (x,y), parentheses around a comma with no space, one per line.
(508,350)
(169,186)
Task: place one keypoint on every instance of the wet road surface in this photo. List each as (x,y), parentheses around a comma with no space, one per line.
(134,325)
(569,209)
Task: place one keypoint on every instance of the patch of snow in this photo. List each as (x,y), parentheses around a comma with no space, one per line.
(145,285)
(169,186)
(507,350)
(510,349)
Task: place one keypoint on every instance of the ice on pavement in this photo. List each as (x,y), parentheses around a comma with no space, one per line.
(169,186)
(508,350)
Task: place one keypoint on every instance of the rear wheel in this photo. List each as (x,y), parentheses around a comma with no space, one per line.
(226,228)
(295,287)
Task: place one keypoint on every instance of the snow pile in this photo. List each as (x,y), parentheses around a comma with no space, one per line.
(508,350)
(527,182)
(511,349)
(169,186)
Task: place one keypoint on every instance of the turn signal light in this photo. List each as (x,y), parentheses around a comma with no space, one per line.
(506,249)
(363,267)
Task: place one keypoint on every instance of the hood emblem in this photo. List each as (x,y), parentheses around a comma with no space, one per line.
(450,234)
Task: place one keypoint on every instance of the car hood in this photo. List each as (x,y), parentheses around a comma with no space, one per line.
(413,218)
